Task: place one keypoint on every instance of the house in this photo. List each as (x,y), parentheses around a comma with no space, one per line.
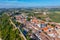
(50,27)
(51,34)
(49,30)
(45,29)
(18,17)
(47,19)
(35,20)
(57,27)
(43,24)
(52,23)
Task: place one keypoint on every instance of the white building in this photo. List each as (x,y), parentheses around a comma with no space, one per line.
(44,13)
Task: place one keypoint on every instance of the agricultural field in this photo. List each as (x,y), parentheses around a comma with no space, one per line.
(55,16)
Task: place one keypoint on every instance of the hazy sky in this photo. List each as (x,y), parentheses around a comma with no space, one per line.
(28,3)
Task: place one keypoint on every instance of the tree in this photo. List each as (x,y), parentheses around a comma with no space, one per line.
(39,17)
(6,29)
(28,19)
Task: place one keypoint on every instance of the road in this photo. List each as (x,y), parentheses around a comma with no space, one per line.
(18,29)
(36,28)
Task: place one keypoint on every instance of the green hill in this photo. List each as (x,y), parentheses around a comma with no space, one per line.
(6,29)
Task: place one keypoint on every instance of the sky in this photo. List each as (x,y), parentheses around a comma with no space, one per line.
(28,3)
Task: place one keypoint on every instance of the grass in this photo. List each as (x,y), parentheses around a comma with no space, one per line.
(55,17)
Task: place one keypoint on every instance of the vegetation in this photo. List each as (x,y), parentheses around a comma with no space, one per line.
(6,29)
(55,17)
(53,25)
(38,17)
(28,19)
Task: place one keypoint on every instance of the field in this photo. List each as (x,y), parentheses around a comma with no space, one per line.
(55,16)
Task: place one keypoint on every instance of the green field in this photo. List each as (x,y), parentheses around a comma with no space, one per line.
(55,16)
